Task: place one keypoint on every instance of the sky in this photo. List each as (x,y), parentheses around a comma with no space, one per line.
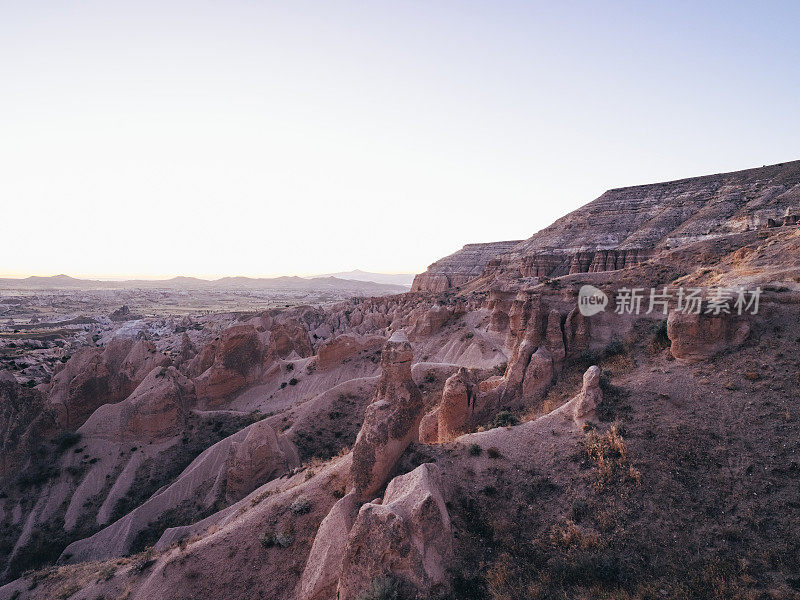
(152,139)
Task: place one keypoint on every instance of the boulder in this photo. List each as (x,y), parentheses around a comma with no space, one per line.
(391,421)
(457,406)
(321,574)
(590,396)
(539,374)
(262,456)
(333,352)
(698,337)
(157,409)
(429,427)
(407,536)
(95,376)
(228,364)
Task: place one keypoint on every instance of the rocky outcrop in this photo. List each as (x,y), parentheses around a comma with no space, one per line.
(343,347)
(628,226)
(431,321)
(323,567)
(262,456)
(26,420)
(157,409)
(698,337)
(407,537)
(228,364)
(288,337)
(187,350)
(391,421)
(577,332)
(499,304)
(457,406)
(94,376)
(590,396)
(429,427)
(539,374)
(460,267)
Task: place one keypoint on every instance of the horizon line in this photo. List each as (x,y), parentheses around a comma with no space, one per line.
(210,278)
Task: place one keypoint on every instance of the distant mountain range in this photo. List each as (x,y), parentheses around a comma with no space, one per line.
(385,278)
(227,283)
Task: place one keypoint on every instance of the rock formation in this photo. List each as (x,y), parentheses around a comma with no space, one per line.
(457,406)
(26,420)
(391,422)
(93,377)
(156,409)
(228,363)
(590,396)
(333,352)
(697,337)
(407,536)
(627,226)
(262,456)
(460,267)
(539,374)
(323,567)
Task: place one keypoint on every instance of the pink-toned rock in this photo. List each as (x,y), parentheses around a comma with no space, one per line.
(157,409)
(490,384)
(577,332)
(228,364)
(26,420)
(333,352)
(539,374)
(321,574)
(555,336)
(590,396)
(391,421)
(499,304)
(457,406)
(429,427)
(285,338)
(698,337)
(262,456)
(407,537)
(432,320)
(188,350)
(95,376)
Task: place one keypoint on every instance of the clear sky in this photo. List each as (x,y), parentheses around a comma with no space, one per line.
(261,138)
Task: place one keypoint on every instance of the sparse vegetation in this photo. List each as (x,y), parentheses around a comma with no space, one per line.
(383,589)
(504,419)
(300,506)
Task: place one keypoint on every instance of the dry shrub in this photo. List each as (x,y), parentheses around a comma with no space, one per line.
(608,452)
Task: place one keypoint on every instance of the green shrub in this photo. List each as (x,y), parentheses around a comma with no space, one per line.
(300,506)
(504,419)
(613,348)
(475,450)
(67,439)
(382,589)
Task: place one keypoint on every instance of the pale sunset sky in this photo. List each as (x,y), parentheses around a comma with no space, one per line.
(264,138)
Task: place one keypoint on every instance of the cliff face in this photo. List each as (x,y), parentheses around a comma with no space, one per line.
(460,267)
(627,226)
